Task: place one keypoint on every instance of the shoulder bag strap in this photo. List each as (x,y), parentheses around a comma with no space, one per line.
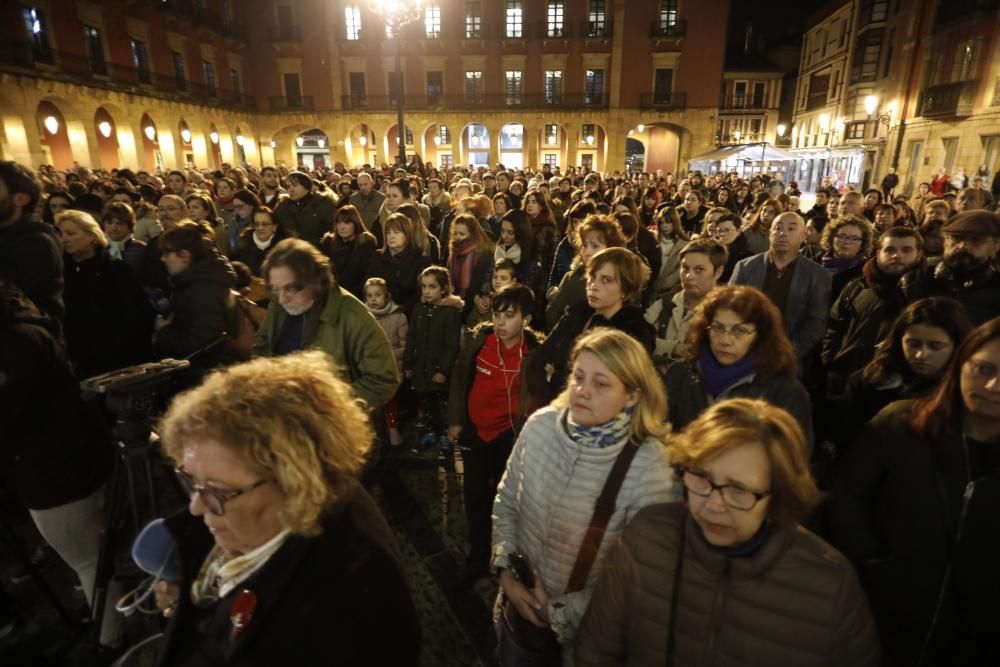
(603,510)
(676,593)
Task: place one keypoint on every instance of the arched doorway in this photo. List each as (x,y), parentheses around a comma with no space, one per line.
(187,148)
(591,147)
(392,144)
(151,156)
(663,142)
(437,143)
(635,155)
(552,145)
(359,146)
(312,149)
(107,139)
(512,146)
(213,146)
(54,135)
(475,145)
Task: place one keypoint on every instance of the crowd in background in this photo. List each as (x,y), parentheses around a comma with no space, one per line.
(739,383)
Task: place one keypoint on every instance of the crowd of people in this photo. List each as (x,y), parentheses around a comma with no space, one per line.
(696,422)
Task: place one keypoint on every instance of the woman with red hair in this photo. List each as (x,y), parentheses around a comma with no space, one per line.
(737,347)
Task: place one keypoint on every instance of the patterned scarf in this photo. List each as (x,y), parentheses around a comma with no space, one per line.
(512,253)
(603,435)
(221,573)
(462,263)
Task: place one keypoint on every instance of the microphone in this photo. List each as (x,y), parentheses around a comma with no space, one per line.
(155,552)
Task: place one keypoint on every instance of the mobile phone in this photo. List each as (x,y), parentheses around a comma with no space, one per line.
(522,570)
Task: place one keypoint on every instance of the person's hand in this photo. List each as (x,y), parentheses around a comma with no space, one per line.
(454,432)
(523,599)
(542,596)
(482,304)
(162,321)
(167,593)
(439,378)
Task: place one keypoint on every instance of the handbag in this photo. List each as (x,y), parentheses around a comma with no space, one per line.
(522,643)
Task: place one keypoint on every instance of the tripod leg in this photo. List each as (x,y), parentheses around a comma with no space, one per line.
(105,561)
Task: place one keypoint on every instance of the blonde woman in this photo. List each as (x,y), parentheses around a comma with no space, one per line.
(729,576)
(280,545)
(108,322)
(611,409)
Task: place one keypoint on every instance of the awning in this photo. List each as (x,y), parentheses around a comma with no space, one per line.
(755,152)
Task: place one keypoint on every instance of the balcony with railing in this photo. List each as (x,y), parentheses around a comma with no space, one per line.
(742,103)
(668,29)
(197,15)
(484,102)
(948,100)
(666,101)
(290,103)
(816,100)
(20,58)
(286,33)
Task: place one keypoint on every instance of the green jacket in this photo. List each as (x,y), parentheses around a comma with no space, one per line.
(345,329)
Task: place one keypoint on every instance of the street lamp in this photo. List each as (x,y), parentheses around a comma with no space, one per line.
(782,128)
(736,136)
(871,104)
(51,124)
(396,14)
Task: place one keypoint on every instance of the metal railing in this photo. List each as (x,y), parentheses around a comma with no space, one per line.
(742,104)
(669,101)
(666,29)
(19,58)
(191,12)
(948,100)
(283,103)
(485,101)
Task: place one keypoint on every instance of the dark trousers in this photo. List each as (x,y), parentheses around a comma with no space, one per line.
(485,463)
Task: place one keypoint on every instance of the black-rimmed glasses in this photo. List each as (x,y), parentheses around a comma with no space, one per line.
(734,496)
(215,499)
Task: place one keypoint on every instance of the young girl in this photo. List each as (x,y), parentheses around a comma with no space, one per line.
(470,261)
(392,319)
(431,349)
(504,273)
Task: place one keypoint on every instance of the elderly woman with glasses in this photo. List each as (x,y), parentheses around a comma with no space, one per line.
(736,347)
(730,577)
(282,552)
(257,242)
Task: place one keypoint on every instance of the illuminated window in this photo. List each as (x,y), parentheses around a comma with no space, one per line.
(512,86)
(553,86)
(556,16)
(515,18)
(473,19)
(352,21)
(432,21)
(474,87)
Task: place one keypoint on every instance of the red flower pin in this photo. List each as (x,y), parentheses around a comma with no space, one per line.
(241,612)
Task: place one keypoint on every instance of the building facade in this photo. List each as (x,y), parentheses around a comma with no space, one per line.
(168,83)
(912,85)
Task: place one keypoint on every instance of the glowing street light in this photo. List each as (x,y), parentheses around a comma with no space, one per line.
(640,128)
(321,143)
(299,141)
(213,136)
(239,139)
(362,140)
(51,124)
(396,14)
(186,135)
(871,104)
(782,128)
(104,127)
(150,132)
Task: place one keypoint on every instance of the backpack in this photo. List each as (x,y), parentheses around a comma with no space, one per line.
(245,318)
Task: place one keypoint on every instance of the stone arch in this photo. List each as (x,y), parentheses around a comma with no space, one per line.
(513,145)
(53,129)
(552,143)
(282,144)
(360,145)
(475,144)
(664,144)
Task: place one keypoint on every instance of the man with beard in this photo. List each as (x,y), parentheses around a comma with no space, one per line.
(30,253)
(863,313)
(966,272)
(271,191)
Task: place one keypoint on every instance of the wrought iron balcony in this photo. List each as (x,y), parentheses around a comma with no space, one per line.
(669,101)
(673,29)
(746,103)
(285,103)
(948,100)
(485,101)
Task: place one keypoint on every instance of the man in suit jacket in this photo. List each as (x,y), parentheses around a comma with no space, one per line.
(798,287)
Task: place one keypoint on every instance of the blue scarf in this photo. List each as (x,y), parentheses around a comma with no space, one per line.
(717,377)
(603,435)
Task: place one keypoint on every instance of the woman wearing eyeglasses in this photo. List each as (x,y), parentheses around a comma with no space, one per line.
(737,347)
(847,244)
(730,577)
(284,555)
(915,506)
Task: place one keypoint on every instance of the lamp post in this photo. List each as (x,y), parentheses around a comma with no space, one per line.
(396,14)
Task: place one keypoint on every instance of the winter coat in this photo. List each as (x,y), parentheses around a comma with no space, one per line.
(562,263)
(758,240)
(247,251)
(432,341)
(308,218)
(341,326)
(546,499)
(904,509)
(861,401)
(201,308)
(687,396)
(464,373)
(350,260)
(572,289)
(395,326)
(808,306)
(536,390)
(402,273)
(368,208)
(147,226)
(795,601)
(52,452)
(109,322)
(859,320)
(979,294)
(31,258)
(738,250)
(668,281)
(671,321)
(336,592)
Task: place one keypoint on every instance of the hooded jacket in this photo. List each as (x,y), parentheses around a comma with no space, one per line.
(31,258)
(51,451)
(308,218)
